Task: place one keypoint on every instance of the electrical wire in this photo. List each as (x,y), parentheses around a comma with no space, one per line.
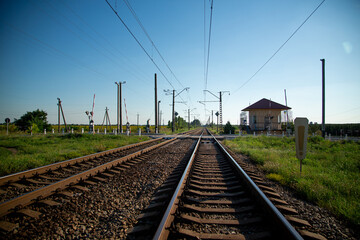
(153,44)
(148,36)
(128,60)
(208,53)
(272,56)
(128,29)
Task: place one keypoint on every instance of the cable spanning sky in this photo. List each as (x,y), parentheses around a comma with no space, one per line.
(75,49)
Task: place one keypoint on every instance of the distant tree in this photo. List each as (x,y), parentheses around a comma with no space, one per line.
(179,123)
(36,119)
(229,128)
(196,123)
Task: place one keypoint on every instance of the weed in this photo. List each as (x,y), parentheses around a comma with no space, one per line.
(330,174)
(36,151)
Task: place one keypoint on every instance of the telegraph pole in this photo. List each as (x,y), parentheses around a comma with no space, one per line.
(189,119)
(106,119)
(138,120)
(118,107)
(173,104)
(158,116)
(220,102)
(323,98)
(173,112)
(212,117)
(156,106)
(120,102)
(62,113)
(59,115)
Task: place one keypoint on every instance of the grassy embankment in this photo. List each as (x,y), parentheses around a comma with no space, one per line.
(19,153)
(330,173)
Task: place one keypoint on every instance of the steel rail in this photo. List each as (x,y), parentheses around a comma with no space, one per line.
(28,198)
(162,232)
(287,229)
(40,170)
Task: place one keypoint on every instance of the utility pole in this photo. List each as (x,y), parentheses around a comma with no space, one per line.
(173,112)
(62,113)
(118,107)
(189,119)
(323,98)
(59,114)
(189,115)
(119,110)
(158,117)
(106,119)
(156,106)
(173,104)
(212,117)
(220,102)
(138,120)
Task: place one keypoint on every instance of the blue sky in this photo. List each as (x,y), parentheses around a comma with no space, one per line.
(75,49)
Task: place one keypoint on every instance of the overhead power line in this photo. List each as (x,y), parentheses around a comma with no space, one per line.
(153,44)
(279,47)
(208,52)
(148,36)
(138,42)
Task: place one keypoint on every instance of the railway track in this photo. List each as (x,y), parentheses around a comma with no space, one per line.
(213,198)
(206,197)
(19,190)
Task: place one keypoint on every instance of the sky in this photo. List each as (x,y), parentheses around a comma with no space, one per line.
(74,49)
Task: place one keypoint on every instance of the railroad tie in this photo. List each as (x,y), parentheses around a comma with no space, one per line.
(8,226)
(29,213)
(50,203)
(82,188)
(192,234)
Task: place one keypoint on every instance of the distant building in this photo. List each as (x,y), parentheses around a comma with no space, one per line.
(265,115)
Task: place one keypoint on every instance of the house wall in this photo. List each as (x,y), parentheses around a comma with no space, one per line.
(261,122)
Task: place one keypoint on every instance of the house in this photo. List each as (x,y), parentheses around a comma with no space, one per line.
(265,115)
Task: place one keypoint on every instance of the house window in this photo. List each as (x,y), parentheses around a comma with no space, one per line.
(279,118)
(254,119)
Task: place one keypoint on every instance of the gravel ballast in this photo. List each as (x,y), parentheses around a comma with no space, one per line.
(109,208)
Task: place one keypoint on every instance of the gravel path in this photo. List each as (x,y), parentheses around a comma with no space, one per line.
(109,208)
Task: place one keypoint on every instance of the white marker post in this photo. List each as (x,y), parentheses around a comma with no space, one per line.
(301,134)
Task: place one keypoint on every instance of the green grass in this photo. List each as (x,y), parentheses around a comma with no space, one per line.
(330,173)
(19,153)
